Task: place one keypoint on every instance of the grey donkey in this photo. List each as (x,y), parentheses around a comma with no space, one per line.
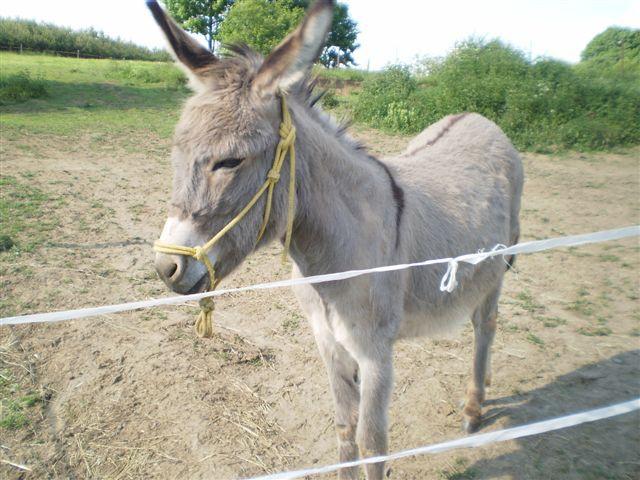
(455,190)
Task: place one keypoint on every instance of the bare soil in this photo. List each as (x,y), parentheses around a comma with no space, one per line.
(138,395)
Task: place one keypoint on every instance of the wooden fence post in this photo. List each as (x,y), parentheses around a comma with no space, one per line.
(21,49)
(78,54)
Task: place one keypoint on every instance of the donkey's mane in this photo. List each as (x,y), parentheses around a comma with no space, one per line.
(240,64)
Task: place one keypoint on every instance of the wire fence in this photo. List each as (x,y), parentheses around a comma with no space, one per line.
(76,53)
(448,284)
(472,441)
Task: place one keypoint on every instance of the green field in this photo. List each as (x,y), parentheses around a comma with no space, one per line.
(107,98)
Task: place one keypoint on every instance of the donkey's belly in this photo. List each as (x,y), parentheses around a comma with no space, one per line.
(435,323)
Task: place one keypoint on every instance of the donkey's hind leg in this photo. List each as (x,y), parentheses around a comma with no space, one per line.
(484,328)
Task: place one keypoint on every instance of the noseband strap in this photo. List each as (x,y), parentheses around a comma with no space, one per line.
(204,325)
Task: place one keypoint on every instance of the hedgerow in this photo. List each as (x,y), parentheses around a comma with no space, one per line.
(541,104)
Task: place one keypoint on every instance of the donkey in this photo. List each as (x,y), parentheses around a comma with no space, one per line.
(455,189)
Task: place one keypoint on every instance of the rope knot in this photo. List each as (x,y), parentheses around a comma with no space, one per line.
(207,305)
(288,133)
(273,176)
(199,253)
(204,324)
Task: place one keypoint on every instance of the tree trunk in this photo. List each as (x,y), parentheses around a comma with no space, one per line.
(210,35)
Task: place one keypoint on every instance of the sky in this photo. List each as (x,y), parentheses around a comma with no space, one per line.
(390,31)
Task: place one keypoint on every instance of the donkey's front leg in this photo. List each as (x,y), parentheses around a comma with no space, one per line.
(376,383)
(343,378)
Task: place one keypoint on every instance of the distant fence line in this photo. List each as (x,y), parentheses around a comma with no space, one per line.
(70,53)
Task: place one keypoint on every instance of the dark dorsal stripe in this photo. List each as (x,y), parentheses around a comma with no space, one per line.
(452,121)
(398,196)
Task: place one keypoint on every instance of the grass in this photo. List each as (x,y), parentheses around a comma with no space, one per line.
(581,306)
(533,338)
(608,257)
(291,323)
(102,98)
(595,331)
(26,214)
(551,322)
(528,303)
(459,471)
(14,406)
(20,87)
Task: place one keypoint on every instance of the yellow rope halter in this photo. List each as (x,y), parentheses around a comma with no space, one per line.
(204,324)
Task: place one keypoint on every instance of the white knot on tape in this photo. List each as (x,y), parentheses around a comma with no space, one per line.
(449,282)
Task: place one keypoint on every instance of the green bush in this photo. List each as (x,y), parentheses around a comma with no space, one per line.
(330,100)
(385,100)
(541,105)
(21,87)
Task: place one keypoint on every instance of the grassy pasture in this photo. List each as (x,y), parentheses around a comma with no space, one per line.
(103,98)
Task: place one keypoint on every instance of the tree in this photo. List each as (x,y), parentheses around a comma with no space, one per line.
(200,16)
(616,51)
(262,24)
(614,43)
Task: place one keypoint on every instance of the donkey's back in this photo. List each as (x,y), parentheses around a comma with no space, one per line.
(463,181)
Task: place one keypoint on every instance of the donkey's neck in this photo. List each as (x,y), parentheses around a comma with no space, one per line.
(347,203)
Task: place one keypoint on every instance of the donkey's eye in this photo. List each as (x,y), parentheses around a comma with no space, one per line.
(228,163)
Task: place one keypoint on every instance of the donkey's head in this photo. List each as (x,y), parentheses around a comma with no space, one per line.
(225,143)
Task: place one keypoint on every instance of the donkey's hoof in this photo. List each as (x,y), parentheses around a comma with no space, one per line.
(471,417)
(471,424)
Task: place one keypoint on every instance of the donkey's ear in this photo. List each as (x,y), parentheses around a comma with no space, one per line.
(294,57)
(193,57)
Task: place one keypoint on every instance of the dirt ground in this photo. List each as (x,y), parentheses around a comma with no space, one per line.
(138,395)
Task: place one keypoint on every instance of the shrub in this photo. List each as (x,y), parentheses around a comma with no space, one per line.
(21,87)
(478,77)
(385,100)
(546,104)
(330,100)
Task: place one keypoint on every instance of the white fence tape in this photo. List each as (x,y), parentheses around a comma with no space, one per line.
(474,440)
(448,282)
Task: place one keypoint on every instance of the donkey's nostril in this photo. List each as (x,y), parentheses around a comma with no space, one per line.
(168,268)
(171,269)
